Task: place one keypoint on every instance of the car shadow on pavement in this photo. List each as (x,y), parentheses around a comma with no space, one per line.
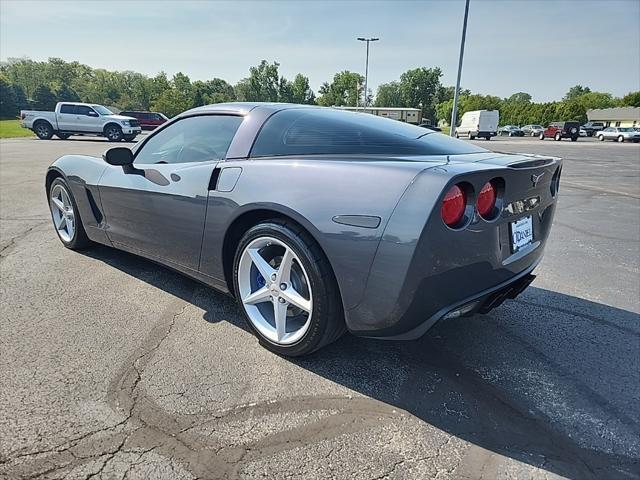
(548,379)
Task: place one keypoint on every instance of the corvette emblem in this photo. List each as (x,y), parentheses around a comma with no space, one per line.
(535,179)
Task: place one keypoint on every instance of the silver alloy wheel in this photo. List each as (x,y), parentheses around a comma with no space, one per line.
(42,130)
(275,290)
(62,213)
(113,133)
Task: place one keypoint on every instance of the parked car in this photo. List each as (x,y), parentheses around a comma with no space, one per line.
(592,127)
(583,132)
(619,134)
(560,130)
(71,118)
(430,127)
(511,130)
(204,195)
(532,130)
(148,120)
(478,123)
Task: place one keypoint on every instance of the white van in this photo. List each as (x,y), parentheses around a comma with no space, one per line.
(479,123)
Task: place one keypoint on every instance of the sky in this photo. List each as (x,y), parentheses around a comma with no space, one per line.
(542,47)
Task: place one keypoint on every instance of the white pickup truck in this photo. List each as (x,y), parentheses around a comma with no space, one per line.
(70,118)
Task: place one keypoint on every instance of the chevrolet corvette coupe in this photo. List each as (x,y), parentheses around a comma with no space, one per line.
(317,221)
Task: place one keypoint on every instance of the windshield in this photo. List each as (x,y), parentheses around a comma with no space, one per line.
(102,110)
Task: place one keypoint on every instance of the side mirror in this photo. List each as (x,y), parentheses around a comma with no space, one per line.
(119,156)
(92,114)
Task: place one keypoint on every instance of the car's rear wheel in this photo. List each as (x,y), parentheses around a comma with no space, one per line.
(574,139)
(541,136)
(601,138)
(113,133)
(620,139)
(43,130)
(557,137)
(65,216)
(286,288)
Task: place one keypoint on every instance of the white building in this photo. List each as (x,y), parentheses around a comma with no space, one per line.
(616,117)
(409,115)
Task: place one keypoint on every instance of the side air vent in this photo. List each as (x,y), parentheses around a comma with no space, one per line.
(213,181)
(97,214)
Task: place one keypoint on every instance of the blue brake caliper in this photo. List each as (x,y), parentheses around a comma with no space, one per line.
(260,281)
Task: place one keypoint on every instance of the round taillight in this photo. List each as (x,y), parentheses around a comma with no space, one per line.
(453,206)
(486,200)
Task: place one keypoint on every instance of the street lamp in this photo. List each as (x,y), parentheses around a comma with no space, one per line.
(456,94)
(366,68)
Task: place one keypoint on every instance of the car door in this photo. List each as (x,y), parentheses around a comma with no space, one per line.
(157,206)
(87,119)
(609,133)
(66,117)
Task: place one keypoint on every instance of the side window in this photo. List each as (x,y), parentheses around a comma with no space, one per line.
(192,139)
(83,110)
(67,108)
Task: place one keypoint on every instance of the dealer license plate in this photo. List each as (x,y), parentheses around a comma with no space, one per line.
(521,233)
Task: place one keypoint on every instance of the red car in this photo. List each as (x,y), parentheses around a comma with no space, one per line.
(148,120)
(560,130)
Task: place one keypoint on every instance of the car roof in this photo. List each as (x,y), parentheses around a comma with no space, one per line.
(243,108)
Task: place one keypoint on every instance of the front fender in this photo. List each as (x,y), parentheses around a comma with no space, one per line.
(82,173)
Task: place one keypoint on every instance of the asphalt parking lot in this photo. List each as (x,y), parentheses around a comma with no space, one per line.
(114,367)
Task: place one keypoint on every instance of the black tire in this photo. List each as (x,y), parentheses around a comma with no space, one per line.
(574,139)
(327,320)
(601,138)
(557,137)
(487,138)
(620,139)
(43,130)
(129,138)
(541,136)
(510,134)
(63,136)
(113,132)
(79,239)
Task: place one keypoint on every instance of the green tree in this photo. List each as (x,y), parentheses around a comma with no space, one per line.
(419,89)
(171,102)
(8,101)
(576,91)
(344,90)
(389,95)
(520,97)
(631,99)
(262,85)
(21,97)
(44,98)
(301,91)
(65,94)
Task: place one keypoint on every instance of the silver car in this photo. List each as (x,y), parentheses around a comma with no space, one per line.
(317,221)
(532,130)
(619,134)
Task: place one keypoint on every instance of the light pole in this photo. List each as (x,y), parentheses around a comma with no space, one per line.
(366,68)
(454,113)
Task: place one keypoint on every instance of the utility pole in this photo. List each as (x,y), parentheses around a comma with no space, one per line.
(366,68)
(456,94)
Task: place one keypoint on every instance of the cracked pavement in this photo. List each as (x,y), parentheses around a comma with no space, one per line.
(116,368)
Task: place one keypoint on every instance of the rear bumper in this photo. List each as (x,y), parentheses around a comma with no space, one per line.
(481,303)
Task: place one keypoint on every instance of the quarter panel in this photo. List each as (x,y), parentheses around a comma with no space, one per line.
(312,192)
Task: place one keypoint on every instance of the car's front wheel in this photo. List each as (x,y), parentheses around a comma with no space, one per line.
(541,136)
(557,137)
(601,138)
(113,133)
(286,289)
(65,216)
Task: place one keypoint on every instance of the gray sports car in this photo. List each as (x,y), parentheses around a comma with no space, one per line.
(318,221)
